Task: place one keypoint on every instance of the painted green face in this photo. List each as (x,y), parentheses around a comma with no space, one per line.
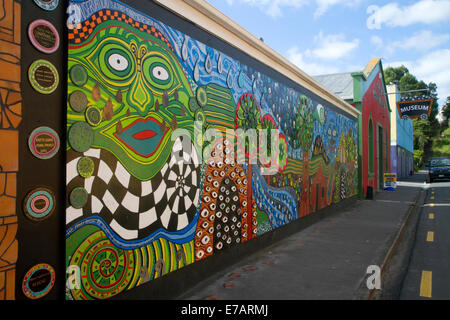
(137,94)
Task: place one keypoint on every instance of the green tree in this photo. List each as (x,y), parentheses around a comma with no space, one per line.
(432,87)
(422,133)
(394,74)
(446,108)
(424,130)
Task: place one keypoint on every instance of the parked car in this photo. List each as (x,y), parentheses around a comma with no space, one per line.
(439,168)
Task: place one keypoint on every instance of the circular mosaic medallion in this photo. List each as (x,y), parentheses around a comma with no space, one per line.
(93,116)
(39,204)
(44,36)
(38,281)
(202,96)
(109,269)
(193,104)
(78,197)
(78,75)
(78,101)
(200,118)
(85,167)
(43,76)
(81,136)
(43,142)
(48,5)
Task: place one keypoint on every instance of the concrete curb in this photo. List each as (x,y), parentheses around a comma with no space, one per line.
(372,294)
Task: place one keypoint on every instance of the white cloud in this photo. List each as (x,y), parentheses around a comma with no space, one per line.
(377,41)
(435,67)
(432,67)
(324,5)
(423,11)
(274,8)
(333,46)
(422,41)
(322,59)
(298,58)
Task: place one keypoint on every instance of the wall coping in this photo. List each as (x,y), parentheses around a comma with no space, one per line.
(208,18)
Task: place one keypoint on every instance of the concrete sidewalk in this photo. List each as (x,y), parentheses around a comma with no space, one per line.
(327,260)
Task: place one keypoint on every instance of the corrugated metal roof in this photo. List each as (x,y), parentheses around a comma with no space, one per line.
(341,84)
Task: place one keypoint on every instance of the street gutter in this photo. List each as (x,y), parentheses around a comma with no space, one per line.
(413,211)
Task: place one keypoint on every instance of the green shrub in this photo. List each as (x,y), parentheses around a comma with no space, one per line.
(418,159)
(441,144)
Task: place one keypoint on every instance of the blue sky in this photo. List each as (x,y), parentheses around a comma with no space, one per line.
(330,36)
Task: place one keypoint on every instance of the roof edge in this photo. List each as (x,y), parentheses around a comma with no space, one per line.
(384,84)
(359,74)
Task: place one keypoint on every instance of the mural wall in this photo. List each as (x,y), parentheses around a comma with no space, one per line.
(142,201)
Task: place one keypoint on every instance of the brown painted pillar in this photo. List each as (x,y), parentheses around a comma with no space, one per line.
(10,118)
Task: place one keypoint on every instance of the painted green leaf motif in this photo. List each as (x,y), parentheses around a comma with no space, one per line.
(248,113)
(248,116)
(305,123)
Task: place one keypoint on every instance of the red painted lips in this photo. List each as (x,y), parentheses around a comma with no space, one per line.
(143,136)
(146,134)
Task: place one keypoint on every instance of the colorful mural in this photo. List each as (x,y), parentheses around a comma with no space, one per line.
(148,194)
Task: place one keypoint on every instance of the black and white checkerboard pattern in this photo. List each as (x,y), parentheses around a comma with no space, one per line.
(131,207)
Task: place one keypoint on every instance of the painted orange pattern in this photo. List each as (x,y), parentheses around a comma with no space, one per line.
(10,118)
(80,32)
(221,166)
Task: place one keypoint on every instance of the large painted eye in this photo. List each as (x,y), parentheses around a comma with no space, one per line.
(118,62)
(160,73)
(114,63)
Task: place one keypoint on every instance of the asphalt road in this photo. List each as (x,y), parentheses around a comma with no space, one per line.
(428,275)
